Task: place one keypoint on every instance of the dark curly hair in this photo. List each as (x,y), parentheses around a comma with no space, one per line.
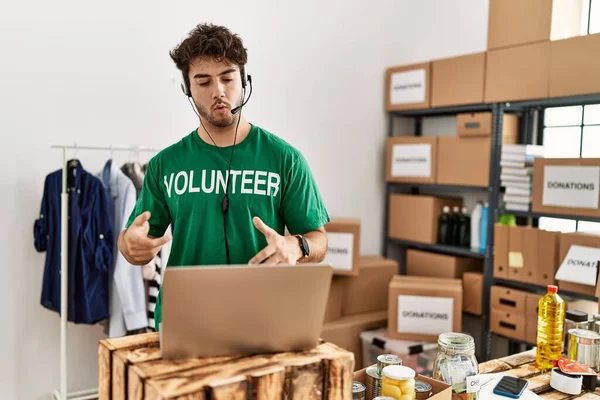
(209,41)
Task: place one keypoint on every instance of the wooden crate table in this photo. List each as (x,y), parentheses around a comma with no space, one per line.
(131,368)
(522,365)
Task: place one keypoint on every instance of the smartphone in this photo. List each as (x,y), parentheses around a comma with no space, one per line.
(510,386)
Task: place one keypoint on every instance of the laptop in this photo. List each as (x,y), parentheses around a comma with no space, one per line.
(240,310)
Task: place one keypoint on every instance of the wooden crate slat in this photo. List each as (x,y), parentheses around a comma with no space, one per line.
(519,359)
(231,389)
(339,383)
(194,380)
(305,381)
(493,366)
(106,351)
(524,371)
(267,383)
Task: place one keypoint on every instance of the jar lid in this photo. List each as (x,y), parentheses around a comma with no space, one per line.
(358,387)
(576,316)
(584,336)
(398,372)
(455,341)
(421,386)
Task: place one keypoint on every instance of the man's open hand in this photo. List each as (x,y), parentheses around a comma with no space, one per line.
(137,247)
(279,250)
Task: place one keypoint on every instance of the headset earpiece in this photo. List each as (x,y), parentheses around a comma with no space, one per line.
(185,88)
(244,78)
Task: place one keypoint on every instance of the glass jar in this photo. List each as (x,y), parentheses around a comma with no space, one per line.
(455,362)
(398,382)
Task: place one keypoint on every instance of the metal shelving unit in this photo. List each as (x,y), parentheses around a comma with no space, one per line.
(491,191)
(438,248)
(532,132)
(531,214)
(531,113)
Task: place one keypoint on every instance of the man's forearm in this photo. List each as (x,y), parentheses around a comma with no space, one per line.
(317,242)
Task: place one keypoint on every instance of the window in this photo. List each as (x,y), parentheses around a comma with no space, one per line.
(571,132)
(590,17)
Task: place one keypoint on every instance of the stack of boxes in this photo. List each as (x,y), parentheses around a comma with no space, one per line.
(530,255)
(534,51)
(358,298)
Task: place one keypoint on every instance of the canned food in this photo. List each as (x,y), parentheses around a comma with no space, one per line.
(384,360)
(422,390)
(358,391)
(373,382)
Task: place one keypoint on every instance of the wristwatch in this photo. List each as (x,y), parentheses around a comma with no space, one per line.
(303,246)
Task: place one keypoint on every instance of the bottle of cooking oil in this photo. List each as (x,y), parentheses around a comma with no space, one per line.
(551,314)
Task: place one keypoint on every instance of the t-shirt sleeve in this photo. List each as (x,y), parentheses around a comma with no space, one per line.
(152,198)
(302,206)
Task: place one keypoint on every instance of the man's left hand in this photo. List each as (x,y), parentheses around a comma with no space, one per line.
(279,250)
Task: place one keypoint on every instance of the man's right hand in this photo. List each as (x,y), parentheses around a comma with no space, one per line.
(137,247)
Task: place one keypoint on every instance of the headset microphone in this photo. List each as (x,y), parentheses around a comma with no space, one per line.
(238,108)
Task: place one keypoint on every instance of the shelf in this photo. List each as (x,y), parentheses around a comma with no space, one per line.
(532,214)
(439,111)
(541,289)
(438,248)
(553,102)
(438,187)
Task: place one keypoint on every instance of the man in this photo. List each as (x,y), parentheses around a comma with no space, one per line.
(229,188)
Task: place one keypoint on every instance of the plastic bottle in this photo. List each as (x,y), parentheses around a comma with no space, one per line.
(551,314)
(464,229)
(483,227)
(455,221)
(475,218)
(444,227)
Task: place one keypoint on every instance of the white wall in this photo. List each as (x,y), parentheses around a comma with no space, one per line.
(99,74)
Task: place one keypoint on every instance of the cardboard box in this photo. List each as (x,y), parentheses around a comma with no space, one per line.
(415,217)
(548,253)
(423,308)
(463,161)
(508,324)
(522,254)
(480,125)
(335,301)
(441,390)
(458,80)
(411,159)
(473,292)
(574,66)
(577,239)
(500,251)
(345,332)
(517,73)
(516,22)
(531,331)
(368,292)
(343,249)
(552,192)
(407,87)
(531,304)
(506,299)
(427,264)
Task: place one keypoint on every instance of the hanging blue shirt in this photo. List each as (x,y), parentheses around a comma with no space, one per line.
(90,244)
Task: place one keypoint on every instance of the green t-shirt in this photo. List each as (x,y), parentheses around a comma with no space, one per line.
(184,185)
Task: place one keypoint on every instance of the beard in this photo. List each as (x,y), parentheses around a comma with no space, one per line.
(222,121)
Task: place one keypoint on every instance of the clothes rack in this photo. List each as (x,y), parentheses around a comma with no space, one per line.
(62,394)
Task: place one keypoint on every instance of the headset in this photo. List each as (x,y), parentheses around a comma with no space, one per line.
(185,87)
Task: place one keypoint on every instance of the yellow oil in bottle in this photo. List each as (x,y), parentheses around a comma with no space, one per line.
(551,317)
